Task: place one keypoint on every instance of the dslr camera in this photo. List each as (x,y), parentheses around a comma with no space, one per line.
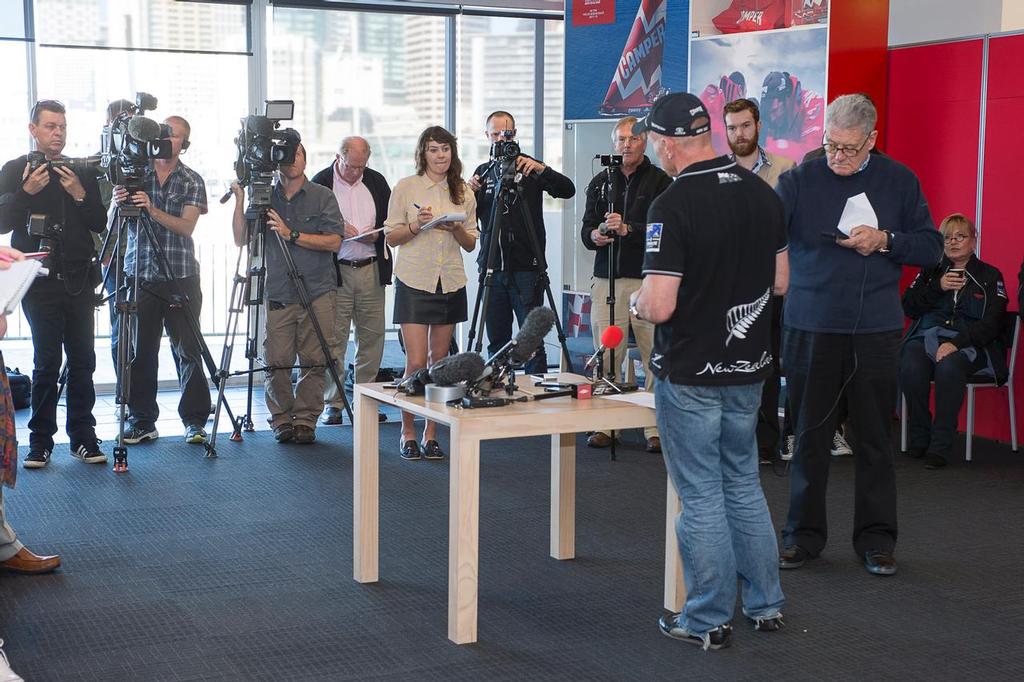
(130,142)
(85,166)
(263,146)
(505,148)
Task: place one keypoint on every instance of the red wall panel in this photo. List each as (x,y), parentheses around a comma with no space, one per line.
(858,40)
(934,120)
(1002,239)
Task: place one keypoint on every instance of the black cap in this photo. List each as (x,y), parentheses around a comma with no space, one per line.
(678,114)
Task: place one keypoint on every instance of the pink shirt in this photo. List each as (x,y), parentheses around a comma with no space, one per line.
(356,204)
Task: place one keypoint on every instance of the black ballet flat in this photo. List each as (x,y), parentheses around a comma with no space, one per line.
(410,450)
(432,450)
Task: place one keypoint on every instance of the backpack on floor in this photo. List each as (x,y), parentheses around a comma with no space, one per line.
(21,389)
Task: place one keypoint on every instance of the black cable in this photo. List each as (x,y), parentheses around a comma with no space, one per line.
(842,389)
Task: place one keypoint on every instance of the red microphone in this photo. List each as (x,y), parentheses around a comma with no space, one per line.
(611,337)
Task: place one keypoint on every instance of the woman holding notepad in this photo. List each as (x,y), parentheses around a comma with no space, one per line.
(430,277)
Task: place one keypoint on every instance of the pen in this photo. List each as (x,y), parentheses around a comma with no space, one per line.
(418,206)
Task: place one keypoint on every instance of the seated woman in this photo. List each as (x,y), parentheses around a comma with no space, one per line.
(430,277)
(958,308)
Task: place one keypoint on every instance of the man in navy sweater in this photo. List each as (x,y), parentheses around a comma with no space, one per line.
(854,220)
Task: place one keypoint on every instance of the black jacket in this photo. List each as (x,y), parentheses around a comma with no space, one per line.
(637,193)
(514,252)
(979,310)
(75,248)
(381,193)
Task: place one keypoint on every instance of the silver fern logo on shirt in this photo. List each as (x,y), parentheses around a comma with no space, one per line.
(741,318)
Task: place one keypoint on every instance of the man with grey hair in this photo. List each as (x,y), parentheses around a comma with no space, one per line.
(363,264)
(636,182)
(854,220)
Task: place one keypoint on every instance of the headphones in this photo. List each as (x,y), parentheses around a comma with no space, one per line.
(185,144)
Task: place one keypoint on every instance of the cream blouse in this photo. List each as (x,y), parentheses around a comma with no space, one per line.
(432,254)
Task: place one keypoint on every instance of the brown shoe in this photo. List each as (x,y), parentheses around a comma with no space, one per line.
(284,433)
(599,440)
(27,562)
(654,444)
(304,434)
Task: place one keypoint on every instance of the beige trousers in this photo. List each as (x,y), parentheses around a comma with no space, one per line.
(359,303)
(643,331)
(289,334)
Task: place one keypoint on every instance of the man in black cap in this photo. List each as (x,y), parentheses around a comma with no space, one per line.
(716,252)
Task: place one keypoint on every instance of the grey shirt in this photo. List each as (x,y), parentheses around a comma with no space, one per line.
(314,210)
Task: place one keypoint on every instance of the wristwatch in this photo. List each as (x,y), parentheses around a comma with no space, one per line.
(888,242)
(294,237)
(634,312)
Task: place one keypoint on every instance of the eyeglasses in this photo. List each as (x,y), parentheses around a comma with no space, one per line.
(955,238)
(831,148)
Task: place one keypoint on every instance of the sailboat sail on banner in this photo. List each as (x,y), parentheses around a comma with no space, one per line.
(638,76)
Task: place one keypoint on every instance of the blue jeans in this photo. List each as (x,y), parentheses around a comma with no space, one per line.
(513,293)
(725,531)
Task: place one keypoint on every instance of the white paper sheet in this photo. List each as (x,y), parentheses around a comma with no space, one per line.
(641,398)
(858,211)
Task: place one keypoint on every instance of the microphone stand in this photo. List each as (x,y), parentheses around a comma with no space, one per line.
(609,195)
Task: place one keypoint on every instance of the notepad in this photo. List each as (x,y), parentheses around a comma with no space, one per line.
(15,283)
(446,218)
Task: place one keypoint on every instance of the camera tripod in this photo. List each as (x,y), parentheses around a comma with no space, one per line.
(138,222)
(247,292)
(508,192)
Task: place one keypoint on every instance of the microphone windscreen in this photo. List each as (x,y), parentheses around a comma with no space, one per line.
(530,337)
(611,337)
(142,128)
(455,369)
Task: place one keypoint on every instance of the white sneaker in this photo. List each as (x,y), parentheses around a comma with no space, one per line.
(788,448)
(6,674)
(840,448)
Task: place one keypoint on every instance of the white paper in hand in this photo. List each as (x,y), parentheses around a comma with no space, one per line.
(858,211)
(446,218)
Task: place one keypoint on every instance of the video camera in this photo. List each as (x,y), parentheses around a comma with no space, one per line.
(610,160)
(263,146)
(505,148)
(131,141)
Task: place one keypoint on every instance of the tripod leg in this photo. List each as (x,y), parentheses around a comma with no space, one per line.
(236,306)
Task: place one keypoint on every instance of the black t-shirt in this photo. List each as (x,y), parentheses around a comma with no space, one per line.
(718,227)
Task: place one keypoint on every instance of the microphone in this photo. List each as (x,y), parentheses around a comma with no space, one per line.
(415,383)
(611,337)
(455,369)
(531,335)
(142,128)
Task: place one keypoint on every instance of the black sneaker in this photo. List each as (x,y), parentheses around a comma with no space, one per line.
(137,434)
(410,450)
(717,638)
(432,450)
(880,562)
(89,452)
(934,460)
(793,556)
(331,416)
(37,458)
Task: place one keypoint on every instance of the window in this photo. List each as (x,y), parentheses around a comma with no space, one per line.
(380,76)
(153,24)
(554,99)
(14,109)
(495,71)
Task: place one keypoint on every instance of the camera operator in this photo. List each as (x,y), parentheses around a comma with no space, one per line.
(638,183)
(514,287)
(60,306)
(306,215)
(174,198)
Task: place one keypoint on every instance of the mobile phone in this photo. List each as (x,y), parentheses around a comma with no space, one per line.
(959,272)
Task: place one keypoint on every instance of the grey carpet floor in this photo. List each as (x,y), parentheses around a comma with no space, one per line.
(240,568)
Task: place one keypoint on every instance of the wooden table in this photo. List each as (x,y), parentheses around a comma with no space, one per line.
(561,418)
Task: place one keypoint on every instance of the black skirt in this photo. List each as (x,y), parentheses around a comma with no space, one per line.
(413,306)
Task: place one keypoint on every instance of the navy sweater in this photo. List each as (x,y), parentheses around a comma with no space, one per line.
(825,279)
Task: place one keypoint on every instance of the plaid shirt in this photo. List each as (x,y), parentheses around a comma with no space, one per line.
(182,188)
